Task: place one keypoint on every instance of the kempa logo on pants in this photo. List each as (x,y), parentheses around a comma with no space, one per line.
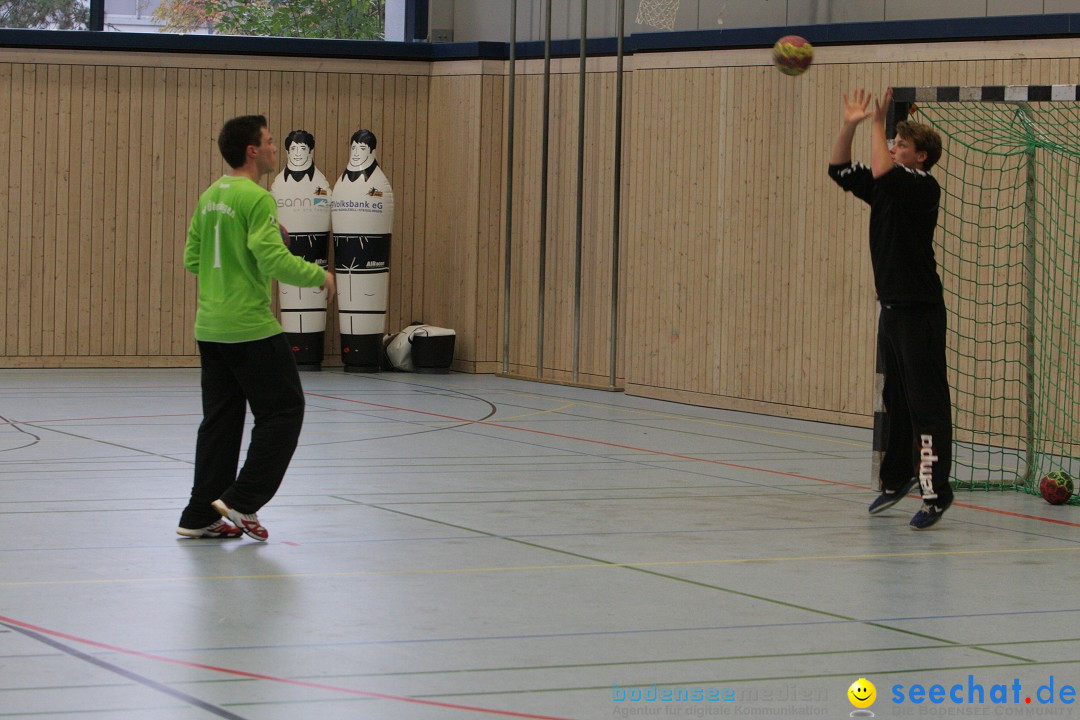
(927,458)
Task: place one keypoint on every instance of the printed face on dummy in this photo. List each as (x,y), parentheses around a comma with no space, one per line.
(299,156)
(360,157)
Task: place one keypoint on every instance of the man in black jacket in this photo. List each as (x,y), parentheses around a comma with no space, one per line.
(904,200)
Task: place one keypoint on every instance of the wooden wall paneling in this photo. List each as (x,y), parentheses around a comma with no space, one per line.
(678,351)
(557,162)
(51,267)
(774,213)
(590,330)
(566,207)
(160,274)
(85,228)
(8,146)
(606,232)
(26,218)
(629,127)
(375,113)
(530,301)
(288,119)
(36,211)
(176,216)
(756,361)
(708,256)
(650,239)
(554,343)
(794,238)
(522,222)
(453,166)
(797,238)
(592,182)
(596,179)
(405,199)
(687,350)
(121,207)
(526,173)
(707,201)
(633,256)
(567,237)
(176,231)
(669,235)
(489,199)
(495,197)
(149,270)
(739,239)
(656,237)
(420,233)
(107,246)
(74,158)
(596,256)
(140,187)
(729,247)
(466,251)
(746,275)
(722,143)
(395,153)
(61,236)
(192,138)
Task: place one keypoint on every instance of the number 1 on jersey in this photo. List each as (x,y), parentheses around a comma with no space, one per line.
(217,245)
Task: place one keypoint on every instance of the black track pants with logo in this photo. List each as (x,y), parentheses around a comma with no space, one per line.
(911,340)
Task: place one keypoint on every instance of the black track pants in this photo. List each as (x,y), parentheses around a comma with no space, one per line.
(260,374)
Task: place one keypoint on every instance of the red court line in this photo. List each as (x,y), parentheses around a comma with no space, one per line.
(271,678)
(677,456)
(122,417)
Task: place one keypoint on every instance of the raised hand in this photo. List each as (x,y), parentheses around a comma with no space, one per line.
(855,107)
(881,108)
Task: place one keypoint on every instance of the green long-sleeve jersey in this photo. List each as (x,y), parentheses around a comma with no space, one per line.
(234,246)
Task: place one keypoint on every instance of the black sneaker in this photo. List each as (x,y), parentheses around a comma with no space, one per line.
(928,516)
(886,500)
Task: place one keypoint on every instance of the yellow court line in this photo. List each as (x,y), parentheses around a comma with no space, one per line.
(534,568)
(532,414)
(705,421)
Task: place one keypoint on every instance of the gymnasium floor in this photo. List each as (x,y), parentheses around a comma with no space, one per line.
(467,546)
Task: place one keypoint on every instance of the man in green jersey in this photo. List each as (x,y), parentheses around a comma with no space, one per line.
(234,245)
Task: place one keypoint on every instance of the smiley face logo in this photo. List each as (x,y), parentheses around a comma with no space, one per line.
(862,693)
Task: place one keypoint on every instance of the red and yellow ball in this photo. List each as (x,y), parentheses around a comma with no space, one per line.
(793,54)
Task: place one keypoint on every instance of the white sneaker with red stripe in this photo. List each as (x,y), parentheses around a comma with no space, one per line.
(219,529)
(248,523)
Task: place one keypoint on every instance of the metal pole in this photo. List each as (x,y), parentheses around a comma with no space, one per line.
(614,321)
(509,245)
(580,184)
(544,194)
(1030,237)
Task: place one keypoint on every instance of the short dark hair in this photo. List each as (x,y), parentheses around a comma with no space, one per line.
(300,136)
(237,134)
(364,136)
(924,138)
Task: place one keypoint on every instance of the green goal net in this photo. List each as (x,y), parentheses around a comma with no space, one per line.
(1009,257)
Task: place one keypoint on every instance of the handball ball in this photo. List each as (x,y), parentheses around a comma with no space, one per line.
(793,54)
(1056,487)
